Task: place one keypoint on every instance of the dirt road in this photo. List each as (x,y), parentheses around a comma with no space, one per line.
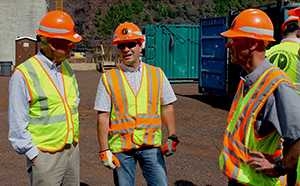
(200,119)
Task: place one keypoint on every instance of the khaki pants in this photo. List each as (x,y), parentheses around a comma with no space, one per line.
(56,168)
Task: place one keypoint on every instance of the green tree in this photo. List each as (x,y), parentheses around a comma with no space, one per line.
(200,9)
(186,10)
(208,8)
(221,9)
(126,13)
(179,10)
(137,6)
(109,21)
(163,11)
(147,19)
(170,11)
(157,17)
(99,11)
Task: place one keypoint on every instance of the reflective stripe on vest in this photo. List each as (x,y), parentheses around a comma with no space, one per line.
(240,139)
(135,119)
(52,122)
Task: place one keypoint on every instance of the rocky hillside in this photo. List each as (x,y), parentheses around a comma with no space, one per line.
(85,12)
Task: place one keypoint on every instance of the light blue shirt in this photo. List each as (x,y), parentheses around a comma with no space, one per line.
(134,77)
(18,112)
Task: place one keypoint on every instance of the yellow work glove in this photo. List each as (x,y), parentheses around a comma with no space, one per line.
(170,147)
(109,160)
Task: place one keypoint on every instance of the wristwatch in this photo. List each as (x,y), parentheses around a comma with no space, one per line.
(174,138)
(278,168)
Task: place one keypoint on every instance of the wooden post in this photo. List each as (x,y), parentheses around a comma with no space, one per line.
(59,5)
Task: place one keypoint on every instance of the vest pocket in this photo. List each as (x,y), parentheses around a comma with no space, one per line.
(115,143)
(147,137)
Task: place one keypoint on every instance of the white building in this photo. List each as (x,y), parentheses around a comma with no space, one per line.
(18,18)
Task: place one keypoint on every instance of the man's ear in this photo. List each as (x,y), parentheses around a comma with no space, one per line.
(253,44)
(51,44)
(141,47)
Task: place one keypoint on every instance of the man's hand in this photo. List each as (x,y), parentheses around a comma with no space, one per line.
(263,163)
(170,147)
(109,160)
(33,160)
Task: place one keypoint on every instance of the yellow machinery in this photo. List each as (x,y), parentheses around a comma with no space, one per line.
(105,61)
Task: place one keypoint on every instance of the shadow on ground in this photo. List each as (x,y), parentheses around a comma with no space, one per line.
(220,102)
(83,184)
(184,183)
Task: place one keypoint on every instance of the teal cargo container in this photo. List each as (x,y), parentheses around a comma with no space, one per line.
(175,49)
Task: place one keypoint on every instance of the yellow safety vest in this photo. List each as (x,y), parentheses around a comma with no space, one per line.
(298,173)
(285,56)
(240,138)
(135,120)
(53,122)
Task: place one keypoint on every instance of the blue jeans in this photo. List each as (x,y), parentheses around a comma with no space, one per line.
(151,162)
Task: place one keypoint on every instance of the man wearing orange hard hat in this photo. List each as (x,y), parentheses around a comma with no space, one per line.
(296,12)
(43,106)
(132,99)
(285,55)
(264,112)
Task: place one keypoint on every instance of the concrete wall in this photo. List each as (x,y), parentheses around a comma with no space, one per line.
(18,18)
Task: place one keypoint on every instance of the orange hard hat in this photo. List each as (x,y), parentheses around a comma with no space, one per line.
(58,24)
(290,18)
(251,23)
(294,12)
(127,31)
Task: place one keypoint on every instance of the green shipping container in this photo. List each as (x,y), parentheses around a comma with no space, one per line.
(175,49)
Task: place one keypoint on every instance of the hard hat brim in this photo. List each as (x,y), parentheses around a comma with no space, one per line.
(74,38)
(127,41)
(294,12)
(233,33)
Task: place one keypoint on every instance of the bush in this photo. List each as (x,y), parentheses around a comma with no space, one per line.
(157,17)
(163,11)
(208,8)
(170,11)
(186,10)
(137,6)
(99,11)
(179,10)
(200,9)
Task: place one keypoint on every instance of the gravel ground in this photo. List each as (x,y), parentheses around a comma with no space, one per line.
(200,119)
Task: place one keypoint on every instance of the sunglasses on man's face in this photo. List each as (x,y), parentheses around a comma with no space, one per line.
(122,46)
(63,44)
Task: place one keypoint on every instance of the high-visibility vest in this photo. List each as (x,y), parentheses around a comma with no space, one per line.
(135,120)
(298,173)
(240,138)
(53,122)
(285,56)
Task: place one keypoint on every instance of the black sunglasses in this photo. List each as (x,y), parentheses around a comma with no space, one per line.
(122,46)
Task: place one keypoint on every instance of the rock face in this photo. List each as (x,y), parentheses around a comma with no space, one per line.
(84,11)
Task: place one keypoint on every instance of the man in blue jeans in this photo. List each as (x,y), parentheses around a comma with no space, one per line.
(131,101)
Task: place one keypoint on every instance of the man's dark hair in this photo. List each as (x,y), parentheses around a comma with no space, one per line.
(290,27)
